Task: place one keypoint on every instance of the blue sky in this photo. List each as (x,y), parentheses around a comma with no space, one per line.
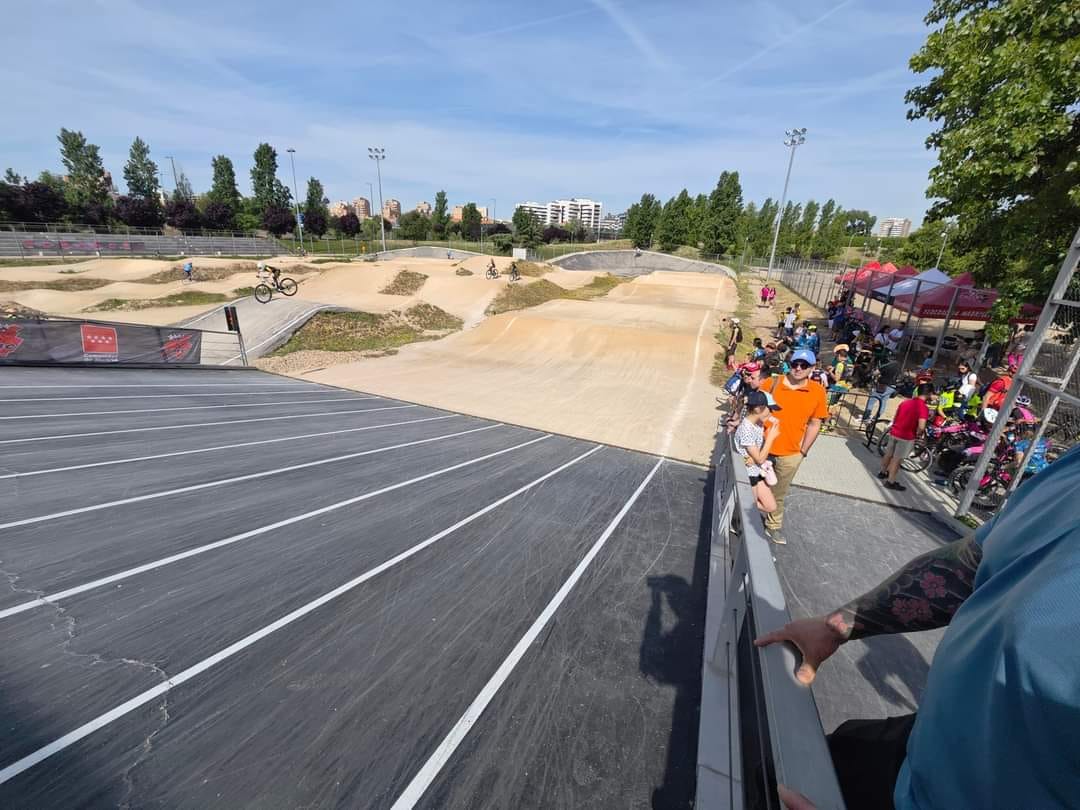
(594,98)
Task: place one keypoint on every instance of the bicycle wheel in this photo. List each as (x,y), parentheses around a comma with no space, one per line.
(263,293)
(919,459)
(287,286)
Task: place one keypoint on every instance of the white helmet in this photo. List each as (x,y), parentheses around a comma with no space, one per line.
(262,265)
(990,415)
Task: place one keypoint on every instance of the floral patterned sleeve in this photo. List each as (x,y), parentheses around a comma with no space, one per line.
(922,595)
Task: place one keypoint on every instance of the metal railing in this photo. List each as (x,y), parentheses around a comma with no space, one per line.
(118,230)
(759,726)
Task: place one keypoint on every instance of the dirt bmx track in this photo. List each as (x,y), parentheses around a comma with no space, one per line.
(630,369)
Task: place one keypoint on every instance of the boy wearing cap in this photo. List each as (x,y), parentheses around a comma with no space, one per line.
(754,438)
(802,409)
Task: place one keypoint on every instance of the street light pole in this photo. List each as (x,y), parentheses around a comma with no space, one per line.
(794,138)
(176,186)
(944,240)
(378,154)
(296,198)
(371,199)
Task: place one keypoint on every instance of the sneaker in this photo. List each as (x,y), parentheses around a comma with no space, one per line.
(882,475)
(896,486)
(776,537)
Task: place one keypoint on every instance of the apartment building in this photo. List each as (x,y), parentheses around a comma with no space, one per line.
(391,210)
(362,208)
(558,212)
(894,226)
(424,208)
(340,208)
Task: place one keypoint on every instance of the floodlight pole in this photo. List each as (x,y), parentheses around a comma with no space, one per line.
(296,198)
(794,139)
(378,154)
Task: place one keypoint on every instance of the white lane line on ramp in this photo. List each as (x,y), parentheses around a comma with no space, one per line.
(222,447)
(59,596)
(151,496)
(204,424)
(103,720)
(426,775)
(684,401)
(289,390)
(185,408)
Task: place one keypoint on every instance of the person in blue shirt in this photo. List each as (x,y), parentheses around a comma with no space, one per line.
(189,271)
(1038,461)
(999,720)
(813,340)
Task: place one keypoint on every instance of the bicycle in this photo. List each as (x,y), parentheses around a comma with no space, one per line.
(264,292)
(491,273)
(918,460)
(514,274)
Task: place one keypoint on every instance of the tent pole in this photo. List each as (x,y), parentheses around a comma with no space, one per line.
(887,306)
(945,325)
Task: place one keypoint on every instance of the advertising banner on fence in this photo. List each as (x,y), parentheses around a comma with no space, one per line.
(26,341)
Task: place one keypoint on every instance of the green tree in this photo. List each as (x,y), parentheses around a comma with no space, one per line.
(1004,79)
(183,188)
(526,229)
(264,182)
(859,222)
(413,225)
(12,178)
(695,226)
(761,233)
(141,173)
(470,222)
(805,230)
(641,220)
(223,191)
(722,223)
(666,233)
(86,189)
(439,216)
(316,214)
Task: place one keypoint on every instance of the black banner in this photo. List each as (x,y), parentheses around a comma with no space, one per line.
(26,341)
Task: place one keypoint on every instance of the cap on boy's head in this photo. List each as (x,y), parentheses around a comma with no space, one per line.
(804,354)
(755,399)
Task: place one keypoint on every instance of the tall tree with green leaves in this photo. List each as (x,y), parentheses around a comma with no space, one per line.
(86,188)
(316,213)
(183,189)
(141,173)
(223,194)
(722,224)
(806,229)
(762,228)
(641,220)
(264,182)
(470,222)
(439,215)
(526,229)
(1002,92)
(666,234)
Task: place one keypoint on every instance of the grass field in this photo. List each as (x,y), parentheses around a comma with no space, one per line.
(180,299)
(406,282)
(523,296)
(368,332)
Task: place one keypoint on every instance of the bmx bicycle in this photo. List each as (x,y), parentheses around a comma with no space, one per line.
(265,291)
(491,273)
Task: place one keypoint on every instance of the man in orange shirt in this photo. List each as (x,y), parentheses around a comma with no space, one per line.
(802,407)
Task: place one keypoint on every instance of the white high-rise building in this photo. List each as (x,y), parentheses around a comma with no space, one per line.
(894,226)
(558,212)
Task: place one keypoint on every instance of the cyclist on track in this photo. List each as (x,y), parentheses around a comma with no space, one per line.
(189,271)
(275,273)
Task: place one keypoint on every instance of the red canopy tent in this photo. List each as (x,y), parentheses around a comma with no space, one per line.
(971,303)
(882,277)
(855,275)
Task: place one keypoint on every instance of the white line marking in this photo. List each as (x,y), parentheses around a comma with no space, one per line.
(426,775)
(162,385)
(54,598)
(223,481)
(222,447)
(185,408)
(204,424)
(102,720)
(291,389)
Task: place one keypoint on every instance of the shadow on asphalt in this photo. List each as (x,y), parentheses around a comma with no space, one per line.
(673,657)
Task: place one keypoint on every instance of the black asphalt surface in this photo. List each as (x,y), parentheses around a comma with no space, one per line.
(240,498)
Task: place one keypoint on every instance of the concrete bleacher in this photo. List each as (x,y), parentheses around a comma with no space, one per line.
(21,244)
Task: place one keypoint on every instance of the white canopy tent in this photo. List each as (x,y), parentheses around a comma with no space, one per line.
(926,280)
